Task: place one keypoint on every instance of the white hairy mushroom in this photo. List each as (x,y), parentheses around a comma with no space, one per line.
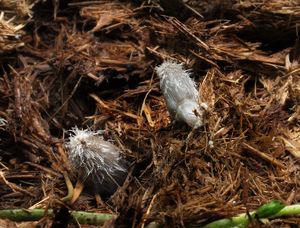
(180,94)
(98,163)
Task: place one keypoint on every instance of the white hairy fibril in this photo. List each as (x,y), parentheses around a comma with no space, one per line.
(98,163)
(180,94)
(3,122)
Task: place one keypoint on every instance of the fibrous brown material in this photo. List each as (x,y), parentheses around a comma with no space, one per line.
(93,65)
(10,34)
(22,8)
(14,15)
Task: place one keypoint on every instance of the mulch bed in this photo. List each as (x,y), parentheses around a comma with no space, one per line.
(91,65)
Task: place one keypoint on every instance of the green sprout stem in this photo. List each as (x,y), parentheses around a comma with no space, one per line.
(288,210)
(36,214)
(91,218)
(242,220)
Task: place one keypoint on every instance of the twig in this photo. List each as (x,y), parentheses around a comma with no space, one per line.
(70,188)
(13,186)
(185,30)
(47,170)
(77,191)
(193,10)
(148,210)
(67,100)
(262,155)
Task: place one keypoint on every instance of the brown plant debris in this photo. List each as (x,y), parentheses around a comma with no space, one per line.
(91,64)
(14,15)
(10,34)
(22,8)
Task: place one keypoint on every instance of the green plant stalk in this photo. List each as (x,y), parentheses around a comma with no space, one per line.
(36,214)
(91,218)
(242,220)
(288,210)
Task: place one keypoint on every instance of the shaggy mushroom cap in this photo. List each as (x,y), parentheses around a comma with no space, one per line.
(180,94)
(97,162)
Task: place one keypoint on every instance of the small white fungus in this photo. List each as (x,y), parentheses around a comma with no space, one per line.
(211,144)
(180,94)
(98,163)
